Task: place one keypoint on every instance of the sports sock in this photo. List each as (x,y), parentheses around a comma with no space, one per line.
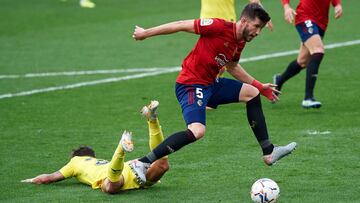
(311,74)
(293,69)
(257,123)
(155,134)
(169,145)
(116,164)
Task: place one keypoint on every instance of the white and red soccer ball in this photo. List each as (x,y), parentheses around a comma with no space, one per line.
(265,190)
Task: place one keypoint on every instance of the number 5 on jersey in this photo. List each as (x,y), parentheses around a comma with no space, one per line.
(199,94)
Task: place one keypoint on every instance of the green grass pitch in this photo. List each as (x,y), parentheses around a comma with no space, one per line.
(38,131)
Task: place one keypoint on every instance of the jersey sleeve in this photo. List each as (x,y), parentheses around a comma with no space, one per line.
(335,2)
(285,2)
(208,26)
(68,170)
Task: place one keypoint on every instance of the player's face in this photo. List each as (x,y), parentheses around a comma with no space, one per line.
(252,29)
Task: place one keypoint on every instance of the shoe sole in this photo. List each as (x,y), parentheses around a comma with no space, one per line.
(139,172)
(316,106)
(127,146)
(146,110)
(153,105)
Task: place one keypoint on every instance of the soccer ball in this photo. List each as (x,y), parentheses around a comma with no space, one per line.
(265,190)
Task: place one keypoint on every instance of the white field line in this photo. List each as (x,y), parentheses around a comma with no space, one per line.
(151,72)
(96,72)
(87,72)
(90,83)
(317,132)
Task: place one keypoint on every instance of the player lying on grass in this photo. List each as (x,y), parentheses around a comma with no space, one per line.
(116,175)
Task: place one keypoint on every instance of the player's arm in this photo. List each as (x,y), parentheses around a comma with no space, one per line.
(268,90)
(168,28)
(337,8)
(289,12)
(45,178)
(238,72)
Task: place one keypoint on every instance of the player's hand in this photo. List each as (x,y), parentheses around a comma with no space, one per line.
(289,13)
(338,11)
(139,33)
(270,92)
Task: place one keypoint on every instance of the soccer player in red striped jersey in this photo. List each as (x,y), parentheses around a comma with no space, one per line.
(197,86)
(311,20)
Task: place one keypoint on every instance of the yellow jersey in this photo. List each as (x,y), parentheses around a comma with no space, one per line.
(92,171)
(224,9)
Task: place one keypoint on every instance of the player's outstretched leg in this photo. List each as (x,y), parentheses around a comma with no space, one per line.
(160,166)
(155,133)
(171,144)
(117,162)
(149,112)
(278,153)
(113,182)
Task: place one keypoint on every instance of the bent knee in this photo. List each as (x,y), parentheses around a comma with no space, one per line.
(197,129)
(319,49)
(248,92)
(303,61)
(199,134)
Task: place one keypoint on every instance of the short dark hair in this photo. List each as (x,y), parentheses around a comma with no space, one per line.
(254,10)
(83,151)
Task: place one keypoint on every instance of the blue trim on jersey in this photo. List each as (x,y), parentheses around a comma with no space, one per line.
(308,29)
(193,99)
